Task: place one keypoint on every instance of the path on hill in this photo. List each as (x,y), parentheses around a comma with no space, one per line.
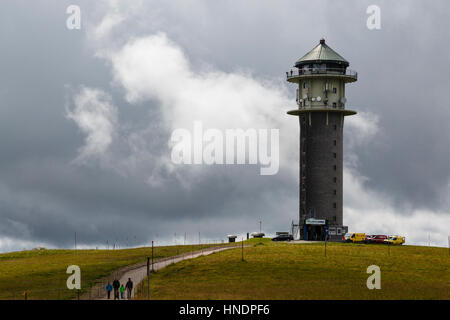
(302,241)
(137,273)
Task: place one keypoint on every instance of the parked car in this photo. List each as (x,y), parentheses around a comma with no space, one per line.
(257,234)
(379,238)
(395,240)
(283,237)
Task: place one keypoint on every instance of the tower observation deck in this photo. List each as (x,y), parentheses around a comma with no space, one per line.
(321,76)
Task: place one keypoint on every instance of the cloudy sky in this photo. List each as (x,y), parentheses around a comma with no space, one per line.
(86,118)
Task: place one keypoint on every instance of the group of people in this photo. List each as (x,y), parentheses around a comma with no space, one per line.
(119,288)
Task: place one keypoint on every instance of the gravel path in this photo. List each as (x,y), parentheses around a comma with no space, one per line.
(137,273)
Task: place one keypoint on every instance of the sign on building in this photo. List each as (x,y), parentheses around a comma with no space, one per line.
(315,221)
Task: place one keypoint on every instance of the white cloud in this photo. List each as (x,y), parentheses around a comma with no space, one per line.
(117,12)
(367,211)
(155,68)
(359,131)
(107,24)
(361,128)
(96,116)
(151,67)
(8,244)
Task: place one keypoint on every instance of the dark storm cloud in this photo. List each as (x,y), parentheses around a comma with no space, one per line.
(402,78)
(45,197)
(99,205)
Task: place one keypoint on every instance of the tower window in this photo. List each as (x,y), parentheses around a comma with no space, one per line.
(334,218)
(334,105)
(335,179)
(335,142)
(304,85)
(335,155)
(335,127)
(335,192)
(335,167)
(334,90)
(334,205)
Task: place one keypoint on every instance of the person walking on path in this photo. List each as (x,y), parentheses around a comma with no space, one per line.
(122,291)
(109,289)
(129,287)
(116,286)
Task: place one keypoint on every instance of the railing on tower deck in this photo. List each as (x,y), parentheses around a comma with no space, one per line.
(308,71)
(322,106)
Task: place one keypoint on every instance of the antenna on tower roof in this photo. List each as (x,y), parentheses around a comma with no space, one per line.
(322,41)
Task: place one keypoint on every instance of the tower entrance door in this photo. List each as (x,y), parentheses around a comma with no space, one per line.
(315,233)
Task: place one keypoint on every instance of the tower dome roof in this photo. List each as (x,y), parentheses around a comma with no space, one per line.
(321,53)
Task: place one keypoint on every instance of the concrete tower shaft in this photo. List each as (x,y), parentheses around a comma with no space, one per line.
(321,78)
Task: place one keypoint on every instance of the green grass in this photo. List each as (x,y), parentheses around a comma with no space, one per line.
(42,273)
(301,271)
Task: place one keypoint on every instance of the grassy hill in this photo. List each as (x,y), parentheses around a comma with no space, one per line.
(301,271)
(42,273)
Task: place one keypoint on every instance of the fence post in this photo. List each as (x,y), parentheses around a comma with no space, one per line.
(242,248)
(152,257)
(148,278)
(449,246)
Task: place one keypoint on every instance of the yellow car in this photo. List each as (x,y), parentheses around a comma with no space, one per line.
(395,240)
(357,238)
